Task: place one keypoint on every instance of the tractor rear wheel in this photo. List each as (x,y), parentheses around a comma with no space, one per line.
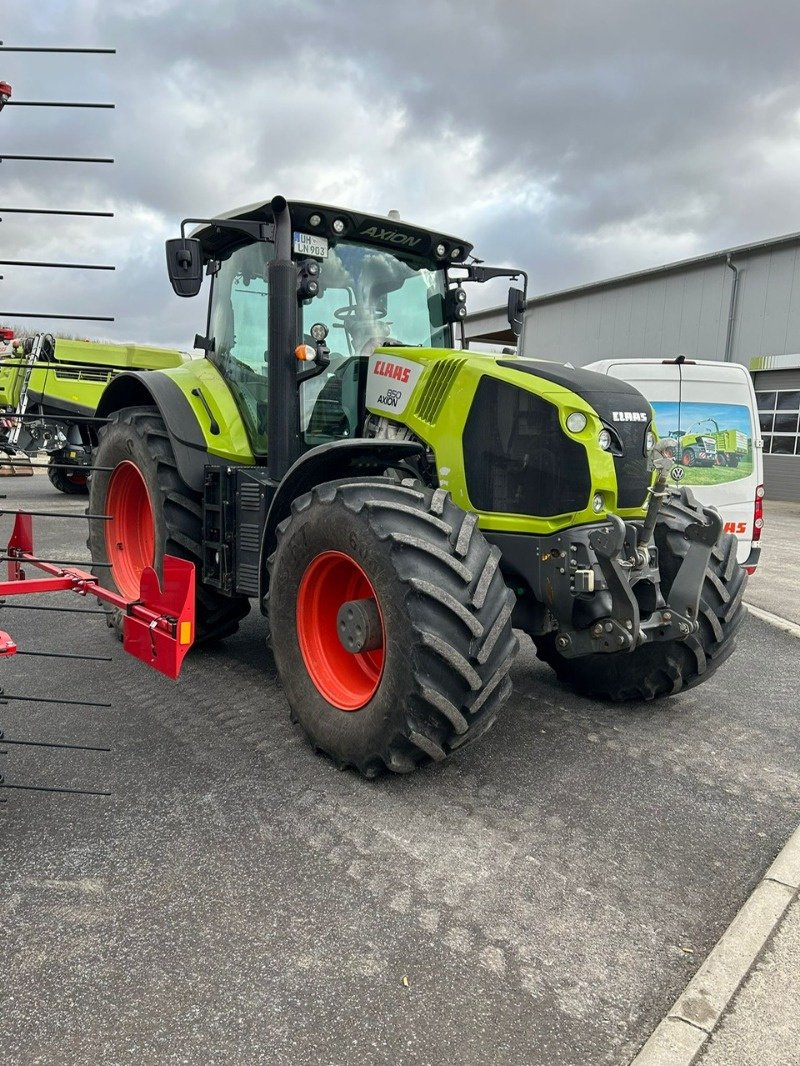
(73,482)
(665,668)
(153,513)
(390,623)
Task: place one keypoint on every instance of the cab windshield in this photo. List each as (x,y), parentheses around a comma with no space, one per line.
(368,297)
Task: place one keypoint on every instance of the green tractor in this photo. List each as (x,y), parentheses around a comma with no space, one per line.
(394,504)
(49,389)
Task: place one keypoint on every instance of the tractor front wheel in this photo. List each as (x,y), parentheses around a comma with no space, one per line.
(390,624)
(152,513)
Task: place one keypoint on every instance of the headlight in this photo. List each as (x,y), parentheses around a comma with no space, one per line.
(576,422)
(650,440)
(604,439)
(338,225)
(598,503)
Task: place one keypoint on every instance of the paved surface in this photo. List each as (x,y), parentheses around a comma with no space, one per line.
(763,1026)
(775,587)
(541,899)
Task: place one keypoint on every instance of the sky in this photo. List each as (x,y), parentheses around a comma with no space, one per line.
(577,140)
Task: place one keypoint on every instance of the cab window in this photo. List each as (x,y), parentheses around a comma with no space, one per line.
(239,328)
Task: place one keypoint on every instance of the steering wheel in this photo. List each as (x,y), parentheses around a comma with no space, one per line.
(352,311)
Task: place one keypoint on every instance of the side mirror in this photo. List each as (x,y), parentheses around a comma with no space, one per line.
(185,265)
(516,310)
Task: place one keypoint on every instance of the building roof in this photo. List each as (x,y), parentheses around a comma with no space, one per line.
(790,361)
(696,263)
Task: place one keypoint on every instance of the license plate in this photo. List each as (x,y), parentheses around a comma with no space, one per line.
(308,244)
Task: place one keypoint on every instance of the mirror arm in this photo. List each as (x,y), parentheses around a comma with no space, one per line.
(474,272)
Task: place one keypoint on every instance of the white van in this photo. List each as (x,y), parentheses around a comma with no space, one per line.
(710,409)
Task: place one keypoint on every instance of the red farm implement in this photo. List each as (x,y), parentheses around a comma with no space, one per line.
(157,627)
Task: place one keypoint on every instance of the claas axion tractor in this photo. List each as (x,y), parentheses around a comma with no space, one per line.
(394,504)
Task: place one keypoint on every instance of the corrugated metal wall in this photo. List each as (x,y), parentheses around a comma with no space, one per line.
(673,314)
(781,477)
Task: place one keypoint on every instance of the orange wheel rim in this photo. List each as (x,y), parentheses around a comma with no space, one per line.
(130,533)
(347,680)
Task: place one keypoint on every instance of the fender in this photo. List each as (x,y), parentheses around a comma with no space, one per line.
(328,462)
(150,388)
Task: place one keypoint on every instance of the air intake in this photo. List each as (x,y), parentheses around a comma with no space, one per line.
(440,380)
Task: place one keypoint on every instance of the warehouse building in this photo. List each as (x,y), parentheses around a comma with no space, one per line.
(740,304)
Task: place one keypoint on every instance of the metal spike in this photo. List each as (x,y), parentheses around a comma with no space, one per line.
(55,466)
(47,744)
(65,655)
(5,696)
(46,788)
(53,211)
(43,607)
(93,51)
(52,562)
(59,514)
(55,418)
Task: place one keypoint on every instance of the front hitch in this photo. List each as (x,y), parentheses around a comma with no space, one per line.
(624,554)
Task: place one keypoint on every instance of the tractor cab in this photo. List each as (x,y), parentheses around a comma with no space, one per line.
(302,294)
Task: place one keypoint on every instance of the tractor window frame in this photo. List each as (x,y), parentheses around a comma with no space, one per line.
(246,371)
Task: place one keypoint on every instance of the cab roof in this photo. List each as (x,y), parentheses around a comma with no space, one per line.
(384,232)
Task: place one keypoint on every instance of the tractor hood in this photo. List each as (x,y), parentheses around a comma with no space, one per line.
(617,402)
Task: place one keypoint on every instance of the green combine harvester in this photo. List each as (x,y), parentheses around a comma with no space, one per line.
(396,505)
(49,392)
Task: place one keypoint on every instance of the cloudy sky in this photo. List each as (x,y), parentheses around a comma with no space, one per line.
(577,139)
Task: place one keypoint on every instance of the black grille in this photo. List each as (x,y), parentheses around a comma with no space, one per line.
(517,459)
(633,476)
(614,400)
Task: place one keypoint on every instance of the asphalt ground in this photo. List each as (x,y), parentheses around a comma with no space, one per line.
(776,585)
(542,898)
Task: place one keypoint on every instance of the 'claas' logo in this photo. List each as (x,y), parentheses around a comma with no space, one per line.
(392,370)
(735,527)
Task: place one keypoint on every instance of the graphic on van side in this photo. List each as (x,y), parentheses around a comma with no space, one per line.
(715,440)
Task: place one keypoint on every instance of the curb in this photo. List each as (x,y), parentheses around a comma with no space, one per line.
(774,620)
(680,1037)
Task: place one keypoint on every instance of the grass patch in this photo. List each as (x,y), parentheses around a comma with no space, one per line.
(715,475)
